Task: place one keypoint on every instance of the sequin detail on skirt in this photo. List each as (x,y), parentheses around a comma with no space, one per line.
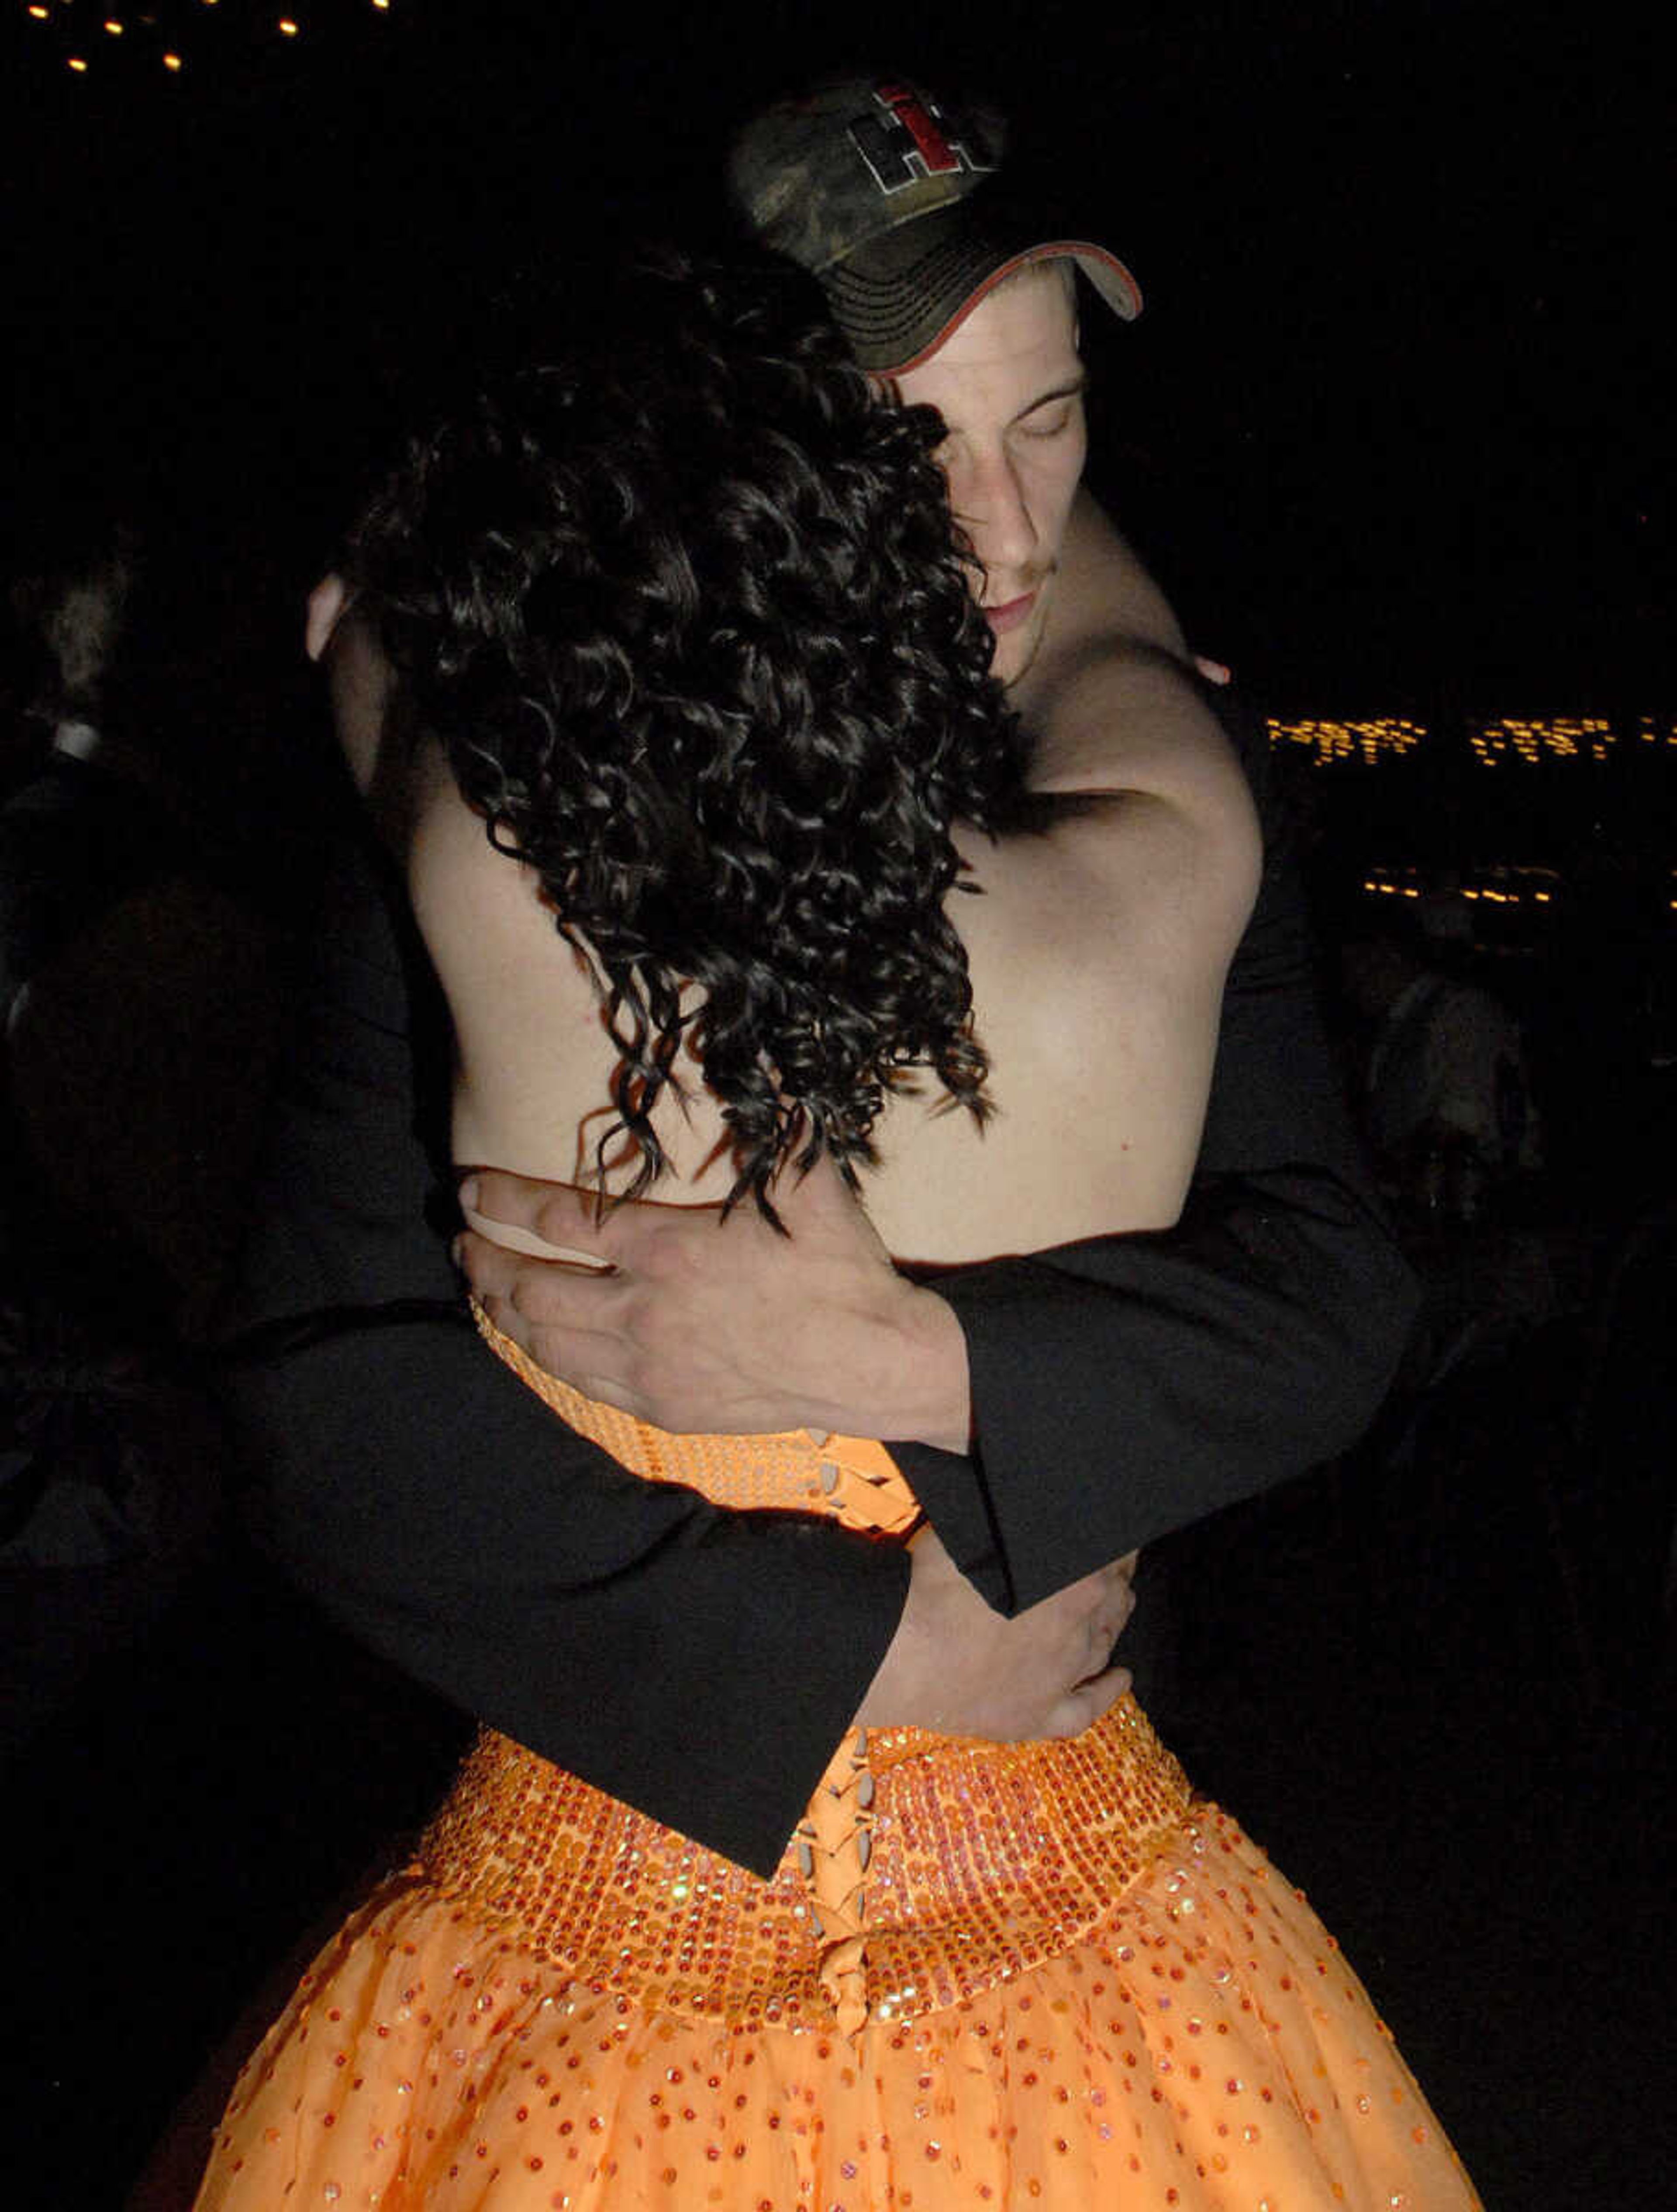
(1030,1978)
(983,1859)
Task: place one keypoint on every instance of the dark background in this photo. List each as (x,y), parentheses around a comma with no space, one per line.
(1394,422)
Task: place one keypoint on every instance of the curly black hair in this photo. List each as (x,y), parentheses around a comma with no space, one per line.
(685,605)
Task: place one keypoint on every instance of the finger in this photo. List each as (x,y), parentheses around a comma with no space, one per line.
(519,1293)
(326,603)
(555,1213)
(586,1359)
(504,1318)
(1076,1601)
(1102,1640)
(571,1310)
(542,1281)
(530,1253)
(1080,1708)
(1114,1616)
(486,1265)
(605,1390)
(1089,1609)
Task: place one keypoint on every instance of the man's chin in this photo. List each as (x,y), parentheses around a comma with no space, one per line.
(1015,652)
(1016,645)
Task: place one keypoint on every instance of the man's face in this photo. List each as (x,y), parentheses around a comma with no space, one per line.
(1009,385)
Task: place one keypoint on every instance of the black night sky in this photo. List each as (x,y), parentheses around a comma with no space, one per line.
(1393,429)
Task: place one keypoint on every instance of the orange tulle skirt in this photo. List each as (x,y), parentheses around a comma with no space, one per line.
(1015,1975)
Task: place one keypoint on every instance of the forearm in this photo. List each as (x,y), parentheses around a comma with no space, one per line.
(1053,1412)
(699,1664)
(903,1371)
(1128,1387)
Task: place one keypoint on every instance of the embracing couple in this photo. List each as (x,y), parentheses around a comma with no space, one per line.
(814,1851)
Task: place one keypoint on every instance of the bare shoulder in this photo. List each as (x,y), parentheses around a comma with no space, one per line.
(1136,797)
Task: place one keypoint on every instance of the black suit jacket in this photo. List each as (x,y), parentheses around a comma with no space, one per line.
(702,1664)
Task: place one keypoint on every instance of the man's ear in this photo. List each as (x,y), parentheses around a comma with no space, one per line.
(326,605)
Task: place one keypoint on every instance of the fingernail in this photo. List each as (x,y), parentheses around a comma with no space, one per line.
(467,1193)
(456,1251)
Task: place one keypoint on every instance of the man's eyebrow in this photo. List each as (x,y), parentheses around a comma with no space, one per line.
(1069,390)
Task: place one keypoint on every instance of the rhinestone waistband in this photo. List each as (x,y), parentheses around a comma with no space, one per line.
(933,1870)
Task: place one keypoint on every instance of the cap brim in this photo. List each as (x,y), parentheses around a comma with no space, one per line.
(899,300)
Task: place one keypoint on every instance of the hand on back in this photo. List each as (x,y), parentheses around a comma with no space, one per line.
(697,1323)
(957,1667)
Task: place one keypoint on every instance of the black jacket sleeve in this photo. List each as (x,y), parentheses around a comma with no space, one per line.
(1125,1387)
(699,1663)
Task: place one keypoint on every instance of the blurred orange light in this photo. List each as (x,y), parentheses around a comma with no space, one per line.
(78,64)
(172,61)
(287,27)
(113,26)
(38,13)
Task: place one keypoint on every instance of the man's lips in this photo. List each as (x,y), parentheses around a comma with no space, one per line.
(1011,613)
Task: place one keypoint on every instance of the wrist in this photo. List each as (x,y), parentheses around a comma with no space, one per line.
(909,1378)
(941,1382)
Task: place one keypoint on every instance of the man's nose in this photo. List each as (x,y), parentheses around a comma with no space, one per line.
(990,505)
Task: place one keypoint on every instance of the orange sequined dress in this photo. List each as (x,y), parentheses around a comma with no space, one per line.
(1039,1975)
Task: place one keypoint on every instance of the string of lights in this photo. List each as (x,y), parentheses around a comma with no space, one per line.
(95,39)
(1575,739)
(1510,741)
(1344,741)
(1499,886)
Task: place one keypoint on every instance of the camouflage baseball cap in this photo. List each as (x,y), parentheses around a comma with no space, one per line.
(891,196)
